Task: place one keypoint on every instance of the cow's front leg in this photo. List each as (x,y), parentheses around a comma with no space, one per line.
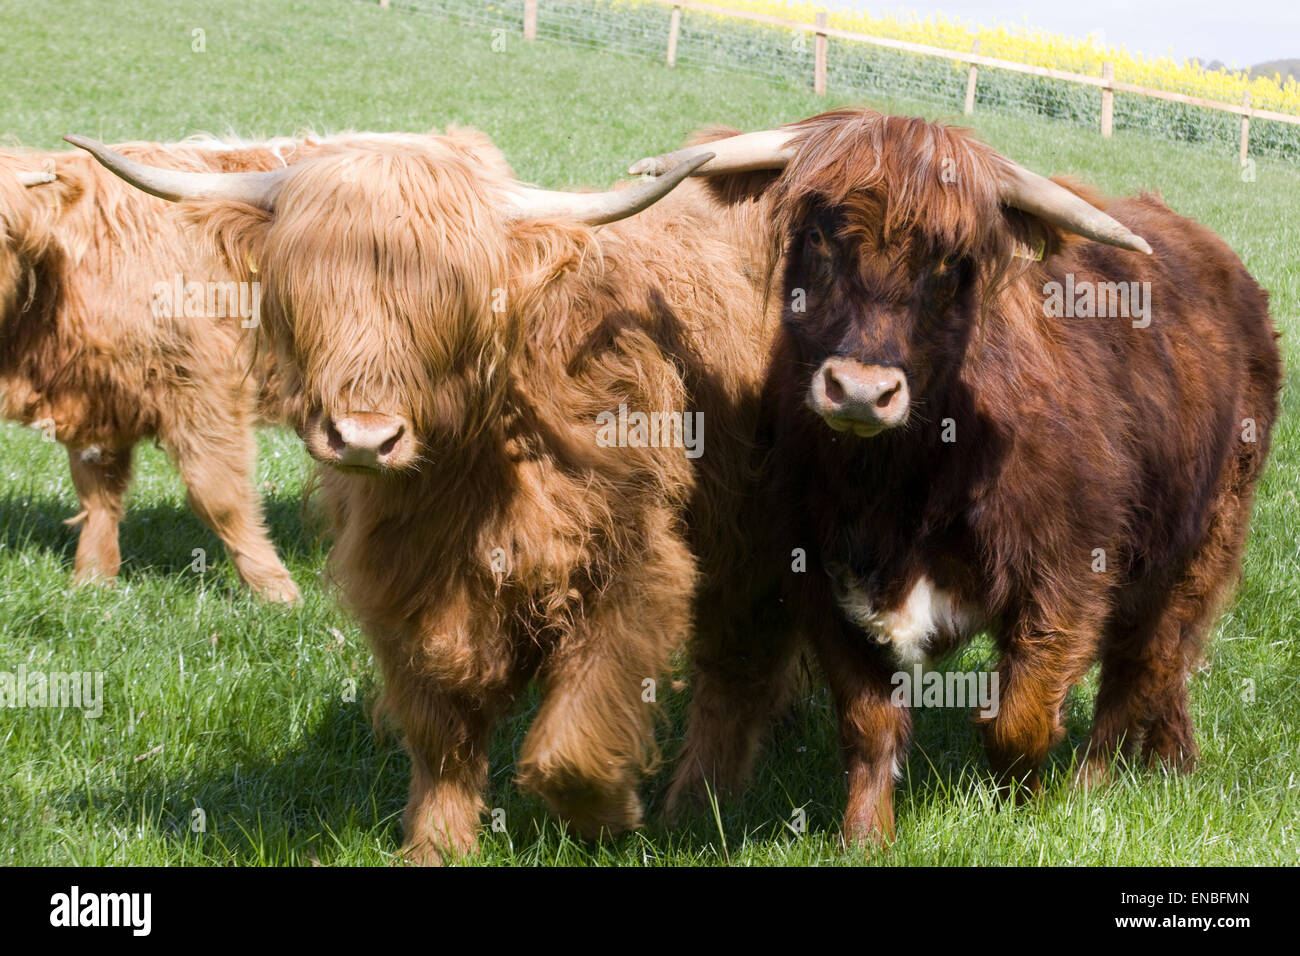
(874,732)
(593,738)
(743,673)
(449,674)
(447,737)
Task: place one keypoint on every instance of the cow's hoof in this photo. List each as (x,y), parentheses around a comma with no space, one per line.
(279,591)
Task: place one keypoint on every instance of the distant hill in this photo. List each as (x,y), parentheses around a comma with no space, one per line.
(1286,68)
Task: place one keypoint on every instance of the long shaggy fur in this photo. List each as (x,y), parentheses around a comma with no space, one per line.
(1074,438)
(517,547)
(84,357)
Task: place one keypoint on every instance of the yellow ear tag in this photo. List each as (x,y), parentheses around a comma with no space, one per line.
(252,266)
(1035,255)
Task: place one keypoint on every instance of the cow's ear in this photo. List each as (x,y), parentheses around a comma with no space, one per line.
(61,194)
(30,216)
(1042,237)
(733,188)
(539,252)
(1024,236)
(234,231)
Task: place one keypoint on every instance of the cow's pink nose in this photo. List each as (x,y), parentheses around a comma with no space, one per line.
(863,398)
(365,440)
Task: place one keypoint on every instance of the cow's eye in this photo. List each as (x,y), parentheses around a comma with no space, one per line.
(816,240)
(946,266)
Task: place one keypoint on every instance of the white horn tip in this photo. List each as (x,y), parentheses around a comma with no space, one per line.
(93,146)
(1124,239)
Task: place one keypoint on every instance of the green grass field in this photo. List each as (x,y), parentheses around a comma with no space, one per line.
(216,703)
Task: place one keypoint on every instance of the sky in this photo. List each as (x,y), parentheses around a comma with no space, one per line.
(1238,32)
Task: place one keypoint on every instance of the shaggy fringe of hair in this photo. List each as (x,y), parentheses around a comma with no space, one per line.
(382,265)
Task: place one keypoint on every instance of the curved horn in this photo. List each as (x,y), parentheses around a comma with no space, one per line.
(1022,189)
(595,209)
(256,189)
(1039,195)
(36,177)
(766,149)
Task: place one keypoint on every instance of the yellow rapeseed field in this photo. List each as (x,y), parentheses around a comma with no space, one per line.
(1025,45)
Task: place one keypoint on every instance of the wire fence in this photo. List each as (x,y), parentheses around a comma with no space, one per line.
(785,56)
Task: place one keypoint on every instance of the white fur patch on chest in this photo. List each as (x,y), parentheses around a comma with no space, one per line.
(926,612)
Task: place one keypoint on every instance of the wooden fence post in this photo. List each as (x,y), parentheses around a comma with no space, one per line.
(970,80)
(1107,100)
(819,63)
(674,27)
(530,19)
(1245,127)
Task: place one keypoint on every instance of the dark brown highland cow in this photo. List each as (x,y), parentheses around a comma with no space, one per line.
(91,355)
(960,446)
(459,339)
